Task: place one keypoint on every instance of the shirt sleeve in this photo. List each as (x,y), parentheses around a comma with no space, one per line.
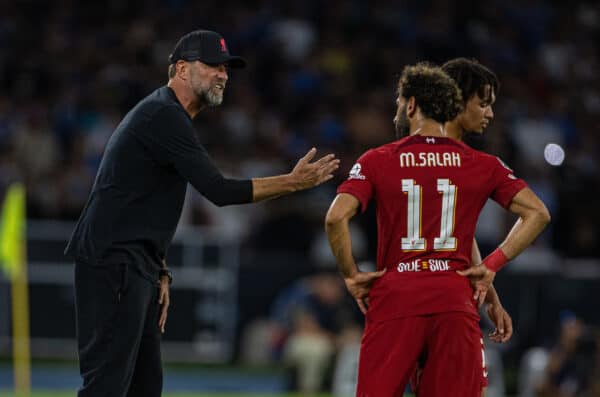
(175,142)
(506,184)
(361,180)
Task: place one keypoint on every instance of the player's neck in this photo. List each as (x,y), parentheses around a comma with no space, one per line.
(454,130)
(427,127)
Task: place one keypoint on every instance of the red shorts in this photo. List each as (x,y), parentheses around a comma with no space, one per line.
(390,351)
(415,378)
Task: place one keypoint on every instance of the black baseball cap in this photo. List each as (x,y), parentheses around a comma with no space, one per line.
(207,47)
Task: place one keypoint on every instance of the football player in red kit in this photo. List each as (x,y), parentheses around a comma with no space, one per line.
(479,87)
(428,190)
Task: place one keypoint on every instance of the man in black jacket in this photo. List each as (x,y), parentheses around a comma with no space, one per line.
(120,242)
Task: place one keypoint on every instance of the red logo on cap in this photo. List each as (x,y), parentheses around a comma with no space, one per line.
(223,46)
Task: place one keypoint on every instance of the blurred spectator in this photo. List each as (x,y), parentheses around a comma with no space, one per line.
(36,147)
(307,318)
(311,320)
(572,360)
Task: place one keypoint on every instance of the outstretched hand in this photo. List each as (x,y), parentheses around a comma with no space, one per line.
(307,174)
(359,286)
(481,278)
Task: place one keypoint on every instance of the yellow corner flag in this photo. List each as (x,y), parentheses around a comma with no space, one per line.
(12,231)
(13,261)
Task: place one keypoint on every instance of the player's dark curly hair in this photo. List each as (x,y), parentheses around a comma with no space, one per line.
(472,77)
(436,94)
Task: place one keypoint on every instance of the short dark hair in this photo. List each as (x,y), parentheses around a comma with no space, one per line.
(472,77)
(435,93)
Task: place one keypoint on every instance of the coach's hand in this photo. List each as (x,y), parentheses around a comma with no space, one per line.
(502,321)
(359,286)
(481,279)
(163,300)
(306,174)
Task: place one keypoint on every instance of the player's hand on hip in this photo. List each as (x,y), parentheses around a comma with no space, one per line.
(359,286)
(307,174)
(164,300)
(503,322)
(481,278)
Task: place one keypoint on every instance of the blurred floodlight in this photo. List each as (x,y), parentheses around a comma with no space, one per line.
(554,154)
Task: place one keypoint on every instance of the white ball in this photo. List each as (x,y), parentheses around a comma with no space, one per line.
(554,154)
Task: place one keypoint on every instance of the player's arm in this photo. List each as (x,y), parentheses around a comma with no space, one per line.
(533,218)
(495,311)
(342,209)
(491,297)
(304,176)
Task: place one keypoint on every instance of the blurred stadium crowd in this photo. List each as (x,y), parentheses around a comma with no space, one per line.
(320,74)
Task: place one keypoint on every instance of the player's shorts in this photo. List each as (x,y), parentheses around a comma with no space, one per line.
(415,378)
(484,372)
(390,351)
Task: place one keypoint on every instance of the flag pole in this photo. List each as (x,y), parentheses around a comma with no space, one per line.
(13,259)
(20,319)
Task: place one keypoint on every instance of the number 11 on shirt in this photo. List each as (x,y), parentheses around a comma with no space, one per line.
(414,241)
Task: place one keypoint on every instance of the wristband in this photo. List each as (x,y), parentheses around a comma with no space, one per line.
(496,260)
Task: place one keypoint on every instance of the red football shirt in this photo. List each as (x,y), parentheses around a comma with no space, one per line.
(428,192)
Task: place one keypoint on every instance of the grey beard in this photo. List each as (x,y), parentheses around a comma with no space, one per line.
(212,98)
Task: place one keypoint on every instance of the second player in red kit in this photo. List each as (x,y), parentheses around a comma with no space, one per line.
(429,190)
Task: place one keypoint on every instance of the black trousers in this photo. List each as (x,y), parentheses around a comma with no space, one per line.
(118,337)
